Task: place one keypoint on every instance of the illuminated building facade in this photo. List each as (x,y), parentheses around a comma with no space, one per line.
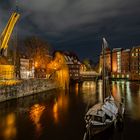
(107,60)
(120,63)
(73,65)
(26,68)
(135,63)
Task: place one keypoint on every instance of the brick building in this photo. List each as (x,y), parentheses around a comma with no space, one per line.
(120,63)
(135,63)
(107,60)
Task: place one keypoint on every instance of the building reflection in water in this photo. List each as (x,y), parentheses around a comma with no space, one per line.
(129,90)
(35,114)
(55,111)
(100,91)
(133,99)
(128,95)
(92,93)
(77,89)
(8,127)
(89,92)
(116,90)
(60,106)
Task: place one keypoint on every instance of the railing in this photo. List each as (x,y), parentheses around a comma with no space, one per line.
(92,73)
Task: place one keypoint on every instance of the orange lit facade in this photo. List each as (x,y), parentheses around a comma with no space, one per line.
(107,60)
(120,63)
(123,63)
(135,63)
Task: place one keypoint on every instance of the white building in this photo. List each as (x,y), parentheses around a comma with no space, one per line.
(26,68)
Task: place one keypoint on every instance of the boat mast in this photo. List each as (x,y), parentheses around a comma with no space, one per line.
(103,72)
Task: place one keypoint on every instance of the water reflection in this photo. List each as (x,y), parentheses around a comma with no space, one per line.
(89,92)
(129,90)
(100,91)
(60,106)
(56,113)
(8,126)
(77,89)
(35,116)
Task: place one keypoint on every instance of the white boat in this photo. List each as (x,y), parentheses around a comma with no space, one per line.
(106,114)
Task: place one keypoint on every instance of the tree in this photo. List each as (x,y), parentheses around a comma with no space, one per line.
(38,50)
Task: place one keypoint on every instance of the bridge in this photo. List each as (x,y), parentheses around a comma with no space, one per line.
(88,75)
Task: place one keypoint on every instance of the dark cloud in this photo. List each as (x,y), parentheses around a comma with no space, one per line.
(78,25)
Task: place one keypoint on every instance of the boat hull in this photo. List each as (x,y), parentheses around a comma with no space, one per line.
(95,130)
(99,132)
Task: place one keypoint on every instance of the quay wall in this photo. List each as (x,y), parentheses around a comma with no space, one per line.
(25,88)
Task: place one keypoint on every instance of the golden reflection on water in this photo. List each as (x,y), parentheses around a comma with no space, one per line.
(8,127)
(89,92)
(92,91)
(77,89)
(55,112)
(129,90)
(60,106)
(100,92)
(35,114)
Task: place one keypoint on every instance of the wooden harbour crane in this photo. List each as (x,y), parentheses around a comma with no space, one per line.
(6,34)
(7,71)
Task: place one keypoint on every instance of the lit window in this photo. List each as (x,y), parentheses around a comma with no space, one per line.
(113,76)
(117,76)
(132,54)
(122,75)
(127,75)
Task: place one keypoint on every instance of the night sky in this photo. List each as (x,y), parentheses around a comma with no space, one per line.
(77,25)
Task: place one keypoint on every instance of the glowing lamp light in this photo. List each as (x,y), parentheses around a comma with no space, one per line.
(36,64)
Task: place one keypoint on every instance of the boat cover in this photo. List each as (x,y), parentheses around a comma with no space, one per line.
(110,108)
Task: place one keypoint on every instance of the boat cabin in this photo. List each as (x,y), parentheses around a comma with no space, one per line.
(100,116)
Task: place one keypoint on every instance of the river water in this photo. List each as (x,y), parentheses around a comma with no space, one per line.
(59,115)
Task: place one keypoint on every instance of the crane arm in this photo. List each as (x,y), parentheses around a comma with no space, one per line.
(5,36)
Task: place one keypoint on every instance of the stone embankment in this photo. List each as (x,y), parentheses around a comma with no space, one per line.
(25,88)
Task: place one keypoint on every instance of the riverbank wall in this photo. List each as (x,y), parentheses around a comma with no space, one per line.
(26,88)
